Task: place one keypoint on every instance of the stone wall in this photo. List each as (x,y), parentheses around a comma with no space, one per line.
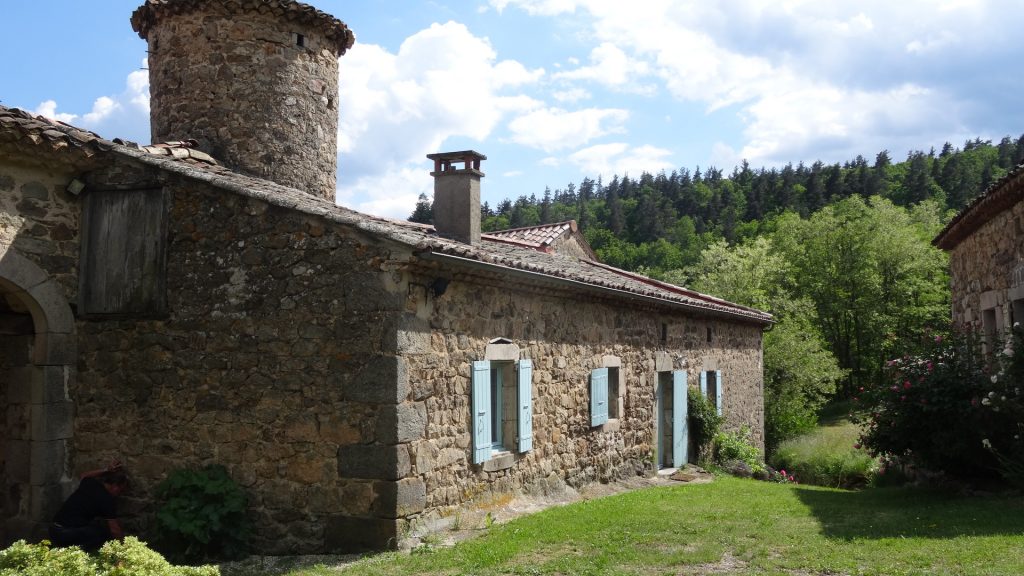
(987,270)
(566,336)
(39,219)
(273,358)
(240,84)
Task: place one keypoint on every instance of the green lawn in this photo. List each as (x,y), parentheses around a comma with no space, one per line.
(735,526)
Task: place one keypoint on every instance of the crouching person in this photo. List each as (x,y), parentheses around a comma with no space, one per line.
(88,518)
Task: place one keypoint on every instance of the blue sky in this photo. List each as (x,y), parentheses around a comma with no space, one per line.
(555,90)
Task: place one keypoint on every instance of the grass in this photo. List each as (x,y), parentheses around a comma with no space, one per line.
(735,526)
(826,456)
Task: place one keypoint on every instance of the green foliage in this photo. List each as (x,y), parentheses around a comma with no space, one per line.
(735,445)
(704,423)
(130,557)
(201,515)
(950,407)
(826,457)
(800,373)
(871,273)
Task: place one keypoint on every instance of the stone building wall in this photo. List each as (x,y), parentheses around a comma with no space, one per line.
(566,336)
(987,272)
(237,80)
(272,359)
(39,219)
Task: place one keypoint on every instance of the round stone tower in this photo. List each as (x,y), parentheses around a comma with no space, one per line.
(255,82)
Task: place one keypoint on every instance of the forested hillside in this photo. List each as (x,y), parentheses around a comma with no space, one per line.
(840,253)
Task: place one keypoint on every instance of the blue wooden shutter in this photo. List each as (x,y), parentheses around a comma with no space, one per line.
(525,405)
(680,436)
(481,409)
(598,396)
(718,391)
(704,384)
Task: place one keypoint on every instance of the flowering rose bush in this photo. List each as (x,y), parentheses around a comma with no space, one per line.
(940,403)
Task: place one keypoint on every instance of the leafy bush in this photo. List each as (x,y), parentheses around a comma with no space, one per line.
(128,558)
(201,515)
(826,457)
(735,446)
(704,423)
(950,408)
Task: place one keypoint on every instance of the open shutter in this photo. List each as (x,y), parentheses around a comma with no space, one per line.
(680,433)
(481,409)
(598,396)
(525,395)
(718,391)
(704,384)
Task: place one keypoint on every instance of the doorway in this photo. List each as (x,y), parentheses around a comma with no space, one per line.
(672,423)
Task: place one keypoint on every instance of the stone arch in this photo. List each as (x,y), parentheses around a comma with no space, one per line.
(37,363)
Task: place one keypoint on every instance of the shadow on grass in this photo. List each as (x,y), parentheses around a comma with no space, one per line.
(877,513)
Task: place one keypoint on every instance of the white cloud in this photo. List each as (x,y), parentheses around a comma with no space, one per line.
(620,158)
(552,129)
(802,76)
(512,173)
(571,95)
(392,193)
(612,67)
(48,109)
(395,108)
(103,107)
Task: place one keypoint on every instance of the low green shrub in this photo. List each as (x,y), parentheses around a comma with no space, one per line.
(828,456)
(735,446)
(201,516)
(704,423)
(130,557)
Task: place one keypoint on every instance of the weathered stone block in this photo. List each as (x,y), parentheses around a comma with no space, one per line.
(402,423)
(351,534)
(500,462)
(374,461)
(385,380)
(407,334)
(400,499)
(48,462)
(53,421)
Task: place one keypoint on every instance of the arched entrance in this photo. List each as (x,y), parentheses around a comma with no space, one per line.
(37,360)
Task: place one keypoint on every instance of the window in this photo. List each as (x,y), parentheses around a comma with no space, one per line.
(711,387)
(502,407)
(605,399)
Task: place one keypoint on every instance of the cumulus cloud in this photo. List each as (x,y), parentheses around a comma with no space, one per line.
(397,107)
(612,67)
(124,115)
(802,76)
(620,158)
(552,129)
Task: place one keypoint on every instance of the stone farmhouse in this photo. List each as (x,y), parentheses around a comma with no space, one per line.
(985,242)
(204,301)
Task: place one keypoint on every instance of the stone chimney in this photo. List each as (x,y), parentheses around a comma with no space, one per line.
(255,82)
(457,195)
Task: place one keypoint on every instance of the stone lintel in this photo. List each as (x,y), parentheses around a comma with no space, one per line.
(662,362)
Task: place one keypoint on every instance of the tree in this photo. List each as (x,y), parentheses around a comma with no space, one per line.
(800,373)
(872,276)
(424,211)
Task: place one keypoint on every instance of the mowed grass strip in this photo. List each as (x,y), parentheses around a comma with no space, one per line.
(735,526)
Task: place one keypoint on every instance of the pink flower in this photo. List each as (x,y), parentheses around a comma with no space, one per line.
(903,398)
(938,338)
(861,389)
(906,384)
(792,479)
(783,472)
(929,366)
